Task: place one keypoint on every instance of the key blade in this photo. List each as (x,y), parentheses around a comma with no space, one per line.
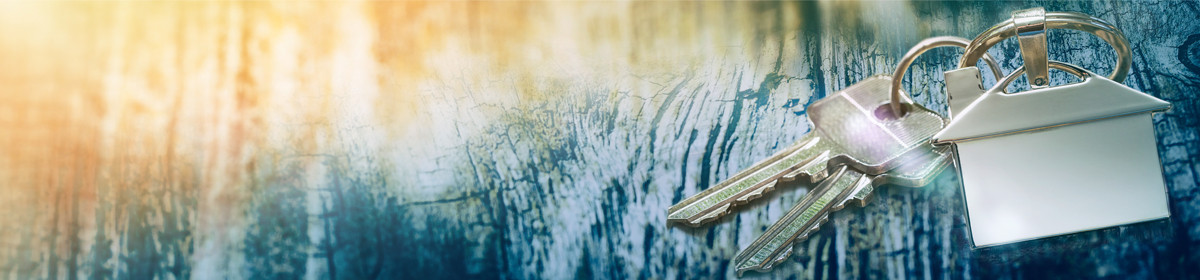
(750,183)
(814,171)
(775,245)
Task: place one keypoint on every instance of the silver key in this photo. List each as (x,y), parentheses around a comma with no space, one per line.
(842,187)
(848,132)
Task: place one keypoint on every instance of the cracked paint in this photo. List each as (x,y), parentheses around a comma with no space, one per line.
(392,140)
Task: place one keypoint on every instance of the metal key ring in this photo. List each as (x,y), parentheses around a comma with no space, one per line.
(1067,67)
(916,51)
(1057,20)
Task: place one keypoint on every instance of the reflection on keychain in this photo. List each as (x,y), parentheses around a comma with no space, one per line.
(1057,160)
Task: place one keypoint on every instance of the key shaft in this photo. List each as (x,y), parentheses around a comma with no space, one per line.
(805,159)
(804,218)
(846,186)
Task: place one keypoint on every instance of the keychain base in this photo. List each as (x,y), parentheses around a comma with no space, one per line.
(1062,180)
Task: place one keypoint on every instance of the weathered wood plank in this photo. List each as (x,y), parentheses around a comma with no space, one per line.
(508,139)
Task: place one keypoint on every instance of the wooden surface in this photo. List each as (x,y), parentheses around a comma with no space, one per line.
(386,140)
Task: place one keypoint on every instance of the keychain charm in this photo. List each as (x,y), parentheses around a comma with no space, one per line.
(1057,160)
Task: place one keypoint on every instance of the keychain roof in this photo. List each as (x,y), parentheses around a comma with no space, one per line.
(1094,98)
(994,112)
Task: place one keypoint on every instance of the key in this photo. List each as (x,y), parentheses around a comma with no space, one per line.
(867,135)
(849,131)
(842,187)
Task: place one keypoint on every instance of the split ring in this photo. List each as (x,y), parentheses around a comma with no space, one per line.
(916,51)
(1057,20)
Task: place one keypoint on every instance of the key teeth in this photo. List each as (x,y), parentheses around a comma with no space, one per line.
(814,170)
(717,213)
(865,198)
(783,256)
(755,194)
(807,176)
(840,205)
(769,264)
(725,209)
(861,197)
(816,226)
(790,176)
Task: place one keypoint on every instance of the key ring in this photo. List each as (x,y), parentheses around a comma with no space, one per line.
(916,51)
(1067,67)
(1056,20)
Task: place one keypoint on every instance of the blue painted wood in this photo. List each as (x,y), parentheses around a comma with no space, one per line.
(544,140)
(589,198)
(577,184)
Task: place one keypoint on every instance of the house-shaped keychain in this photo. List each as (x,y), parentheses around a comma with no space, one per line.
(1057,160)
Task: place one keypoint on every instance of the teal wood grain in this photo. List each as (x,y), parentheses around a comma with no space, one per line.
(533,140)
